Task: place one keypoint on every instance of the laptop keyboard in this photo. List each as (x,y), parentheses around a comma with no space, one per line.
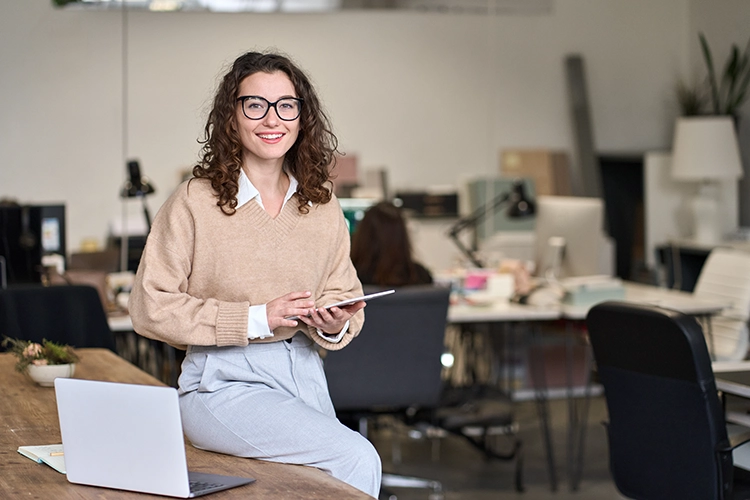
(198,486)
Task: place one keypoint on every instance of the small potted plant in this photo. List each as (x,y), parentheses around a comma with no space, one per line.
(42,362)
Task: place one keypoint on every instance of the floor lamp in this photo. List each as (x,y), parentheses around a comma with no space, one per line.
(519,206)
(705,151)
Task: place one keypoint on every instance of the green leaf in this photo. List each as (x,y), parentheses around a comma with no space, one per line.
(741,81)
(711,73)
(728,79)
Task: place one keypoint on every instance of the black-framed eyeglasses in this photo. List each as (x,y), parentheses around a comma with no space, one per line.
(256,107)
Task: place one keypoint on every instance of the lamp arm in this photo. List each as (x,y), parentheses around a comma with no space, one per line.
(471,221)
(146,213)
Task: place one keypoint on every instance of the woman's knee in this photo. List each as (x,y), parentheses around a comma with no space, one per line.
(368,456)
(361,467)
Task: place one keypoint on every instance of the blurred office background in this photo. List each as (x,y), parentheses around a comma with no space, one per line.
(432,96)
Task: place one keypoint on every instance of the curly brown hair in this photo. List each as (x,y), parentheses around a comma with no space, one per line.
(307,160)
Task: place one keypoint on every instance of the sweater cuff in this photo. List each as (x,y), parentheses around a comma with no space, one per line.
(231,323)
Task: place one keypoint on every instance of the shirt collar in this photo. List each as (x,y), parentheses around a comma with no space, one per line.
(247,191)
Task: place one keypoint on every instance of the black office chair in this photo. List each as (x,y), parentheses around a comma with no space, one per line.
(393,367)
(71,315)
(667,432)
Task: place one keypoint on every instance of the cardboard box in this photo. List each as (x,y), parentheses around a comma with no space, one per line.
(549,169)
(345,176)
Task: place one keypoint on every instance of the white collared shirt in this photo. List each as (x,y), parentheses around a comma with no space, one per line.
(257,319)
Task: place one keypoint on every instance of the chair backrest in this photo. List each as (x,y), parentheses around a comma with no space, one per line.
(395,361)
(665,417)
(72,315)
(725,277)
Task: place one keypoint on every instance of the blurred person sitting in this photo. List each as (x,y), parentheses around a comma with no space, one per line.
(382,252)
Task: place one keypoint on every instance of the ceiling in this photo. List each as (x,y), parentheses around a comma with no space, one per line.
(494,7)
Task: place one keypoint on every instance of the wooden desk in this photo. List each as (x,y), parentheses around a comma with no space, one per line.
(28,416)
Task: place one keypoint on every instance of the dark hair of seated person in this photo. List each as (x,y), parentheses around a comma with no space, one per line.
(381,249)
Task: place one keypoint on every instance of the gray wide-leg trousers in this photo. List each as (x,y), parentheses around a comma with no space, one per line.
(270,402)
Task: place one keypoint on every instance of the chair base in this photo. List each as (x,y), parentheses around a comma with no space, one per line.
(481,420)
(398,481)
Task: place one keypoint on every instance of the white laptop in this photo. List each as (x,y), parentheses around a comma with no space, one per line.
(129,437)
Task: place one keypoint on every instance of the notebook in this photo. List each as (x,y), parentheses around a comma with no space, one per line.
(129,437)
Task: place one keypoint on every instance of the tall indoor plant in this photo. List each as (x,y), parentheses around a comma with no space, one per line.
(728,92)
(722,93)
(710,158)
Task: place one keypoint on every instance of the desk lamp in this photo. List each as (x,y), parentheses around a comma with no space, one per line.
(137,186)
(706,151)
(519,206)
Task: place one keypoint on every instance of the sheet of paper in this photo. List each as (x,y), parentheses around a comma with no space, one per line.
(50,454)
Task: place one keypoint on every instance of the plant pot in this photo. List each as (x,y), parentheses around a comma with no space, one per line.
(45,375)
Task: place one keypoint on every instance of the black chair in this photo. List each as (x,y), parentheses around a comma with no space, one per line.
(71,314)
(667,432)
(393,367)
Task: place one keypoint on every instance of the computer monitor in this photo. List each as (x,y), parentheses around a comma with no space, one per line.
(28,233)
(569,238)
(354,209)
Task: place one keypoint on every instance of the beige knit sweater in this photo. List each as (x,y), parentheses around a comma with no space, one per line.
(202,269)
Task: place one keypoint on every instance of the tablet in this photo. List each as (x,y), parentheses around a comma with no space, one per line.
(357,299)
(353,300)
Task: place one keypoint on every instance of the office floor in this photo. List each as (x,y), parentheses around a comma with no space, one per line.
(466,475)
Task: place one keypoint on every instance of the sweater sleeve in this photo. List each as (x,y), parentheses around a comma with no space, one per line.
(161,306)
(342,283)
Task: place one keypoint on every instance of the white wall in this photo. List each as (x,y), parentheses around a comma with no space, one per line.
(432,97)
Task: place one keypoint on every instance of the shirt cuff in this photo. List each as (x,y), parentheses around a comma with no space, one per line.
(335,339)
(257,323)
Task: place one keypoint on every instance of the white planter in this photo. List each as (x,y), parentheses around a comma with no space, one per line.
(46,375)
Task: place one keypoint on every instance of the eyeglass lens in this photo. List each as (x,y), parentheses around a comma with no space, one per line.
(256,107)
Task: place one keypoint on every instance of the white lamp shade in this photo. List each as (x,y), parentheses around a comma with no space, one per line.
(705,148)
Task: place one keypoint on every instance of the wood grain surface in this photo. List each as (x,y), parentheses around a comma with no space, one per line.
(28,416)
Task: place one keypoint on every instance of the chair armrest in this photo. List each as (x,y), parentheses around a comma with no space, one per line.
(738,439)
(738,435)
(740,420)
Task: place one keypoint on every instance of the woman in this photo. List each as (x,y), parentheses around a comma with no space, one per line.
(381,250)
(255,239)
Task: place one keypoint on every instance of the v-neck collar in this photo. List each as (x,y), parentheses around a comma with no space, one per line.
(247,191)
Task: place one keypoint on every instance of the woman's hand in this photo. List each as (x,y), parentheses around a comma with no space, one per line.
(289,305)
(332,321)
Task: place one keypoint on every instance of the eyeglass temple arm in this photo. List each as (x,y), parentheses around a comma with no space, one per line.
(471,221)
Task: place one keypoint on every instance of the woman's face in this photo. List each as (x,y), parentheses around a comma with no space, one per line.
(270,137)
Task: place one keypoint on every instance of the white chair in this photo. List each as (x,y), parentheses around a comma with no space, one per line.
(725,277)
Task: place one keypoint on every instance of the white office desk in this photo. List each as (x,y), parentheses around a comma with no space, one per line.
(500,312)
(503,312)
(639,293)
(120,323)
(506,315)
